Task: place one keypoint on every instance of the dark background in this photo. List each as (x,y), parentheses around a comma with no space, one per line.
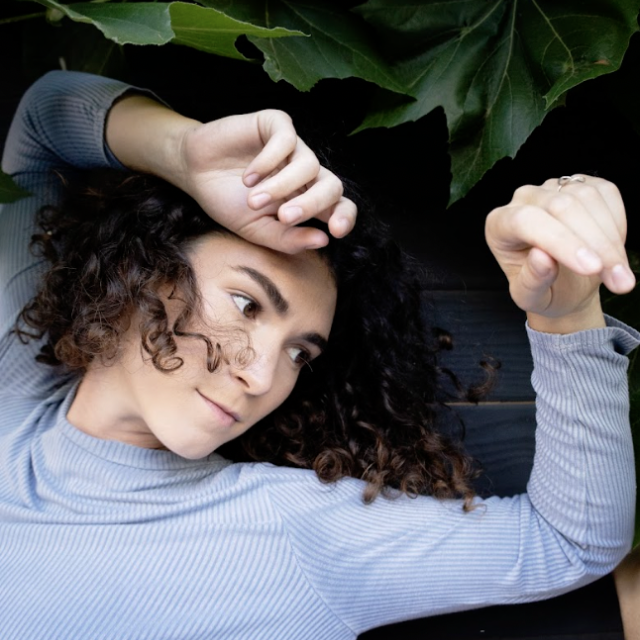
(402,175)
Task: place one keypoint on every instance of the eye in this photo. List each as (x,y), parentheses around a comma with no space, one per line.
(299,356)
(248,307)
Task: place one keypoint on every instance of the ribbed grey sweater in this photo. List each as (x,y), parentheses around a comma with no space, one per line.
(100,539)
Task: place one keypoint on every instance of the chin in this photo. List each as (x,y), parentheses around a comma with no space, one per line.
(192,451)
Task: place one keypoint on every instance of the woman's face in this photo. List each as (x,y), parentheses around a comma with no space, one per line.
(281,306)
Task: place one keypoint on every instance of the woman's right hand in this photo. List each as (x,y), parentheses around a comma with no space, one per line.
(254,175)
(557,246)
(251,173)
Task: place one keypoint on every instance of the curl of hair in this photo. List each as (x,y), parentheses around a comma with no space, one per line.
(371,407)
(115,245)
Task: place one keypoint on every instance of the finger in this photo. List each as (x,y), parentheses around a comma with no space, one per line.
(343,218)
(602,198)
(320,197)
(611,195)
(578,232)
(280,139)
(270,232)
(531,290)
(590,220)
(302,169)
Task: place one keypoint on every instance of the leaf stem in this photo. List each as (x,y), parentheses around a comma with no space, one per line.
(28,16)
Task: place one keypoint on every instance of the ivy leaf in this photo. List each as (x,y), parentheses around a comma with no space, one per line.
(9,190)
(212,31)
(496,67)
(127,23)
(340,44)
(159,23)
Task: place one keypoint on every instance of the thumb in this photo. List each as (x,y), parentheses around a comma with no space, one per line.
(531,289)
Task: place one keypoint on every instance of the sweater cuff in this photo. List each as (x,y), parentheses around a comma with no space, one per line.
(621,337)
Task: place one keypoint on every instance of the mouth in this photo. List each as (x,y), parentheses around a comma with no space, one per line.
(227,416)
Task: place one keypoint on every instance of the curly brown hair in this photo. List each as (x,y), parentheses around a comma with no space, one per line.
(373,407)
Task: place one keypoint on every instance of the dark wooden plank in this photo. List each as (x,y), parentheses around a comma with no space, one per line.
(501,437)
(486,325)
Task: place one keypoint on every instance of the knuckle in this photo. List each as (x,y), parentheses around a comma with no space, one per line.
(278,114)
(522,215)
(495,218)
(609,189)
(525,192)
(584,191)
(289,137)
(551,183)
(336,186)
(560,202)
(313,164)
(350,208)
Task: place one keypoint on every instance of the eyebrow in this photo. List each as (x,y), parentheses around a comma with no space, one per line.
(269,287)
(316,339)
(280,303)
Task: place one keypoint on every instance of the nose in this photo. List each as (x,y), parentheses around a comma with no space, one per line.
(257,375)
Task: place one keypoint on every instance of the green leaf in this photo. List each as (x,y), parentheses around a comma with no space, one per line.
(496,67)
(159,23)
(340,44)
(9,190)
(214,32)
(127,23)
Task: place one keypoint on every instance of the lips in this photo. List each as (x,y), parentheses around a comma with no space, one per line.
(224,415)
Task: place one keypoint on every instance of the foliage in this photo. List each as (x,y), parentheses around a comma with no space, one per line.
(9,191)
(496,67)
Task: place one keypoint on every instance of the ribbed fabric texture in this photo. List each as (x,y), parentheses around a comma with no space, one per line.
(103,540)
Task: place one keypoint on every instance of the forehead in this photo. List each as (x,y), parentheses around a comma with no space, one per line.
(304,277)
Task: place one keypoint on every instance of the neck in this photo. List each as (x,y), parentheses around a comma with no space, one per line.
(104,407)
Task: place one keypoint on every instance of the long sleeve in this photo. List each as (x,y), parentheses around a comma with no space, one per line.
(406,558)
(58,128)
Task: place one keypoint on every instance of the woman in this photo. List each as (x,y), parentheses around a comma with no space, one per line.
(117,517)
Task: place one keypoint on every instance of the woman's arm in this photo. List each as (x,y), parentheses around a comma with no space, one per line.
(250,172)
(57,127)
(60,127)
(404,558)
(61,124)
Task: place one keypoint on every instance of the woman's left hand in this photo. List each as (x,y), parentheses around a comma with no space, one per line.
(556,246)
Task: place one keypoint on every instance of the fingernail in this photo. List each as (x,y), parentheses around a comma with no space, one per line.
(252,180)
(623,276)
(318,244)
(260,200)
(588,260)
(290,215)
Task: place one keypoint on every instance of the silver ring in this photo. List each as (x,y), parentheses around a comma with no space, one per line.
(563,180)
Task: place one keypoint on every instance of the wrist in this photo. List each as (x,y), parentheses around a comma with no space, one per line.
(170,161)
(590,317)
(147,136)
